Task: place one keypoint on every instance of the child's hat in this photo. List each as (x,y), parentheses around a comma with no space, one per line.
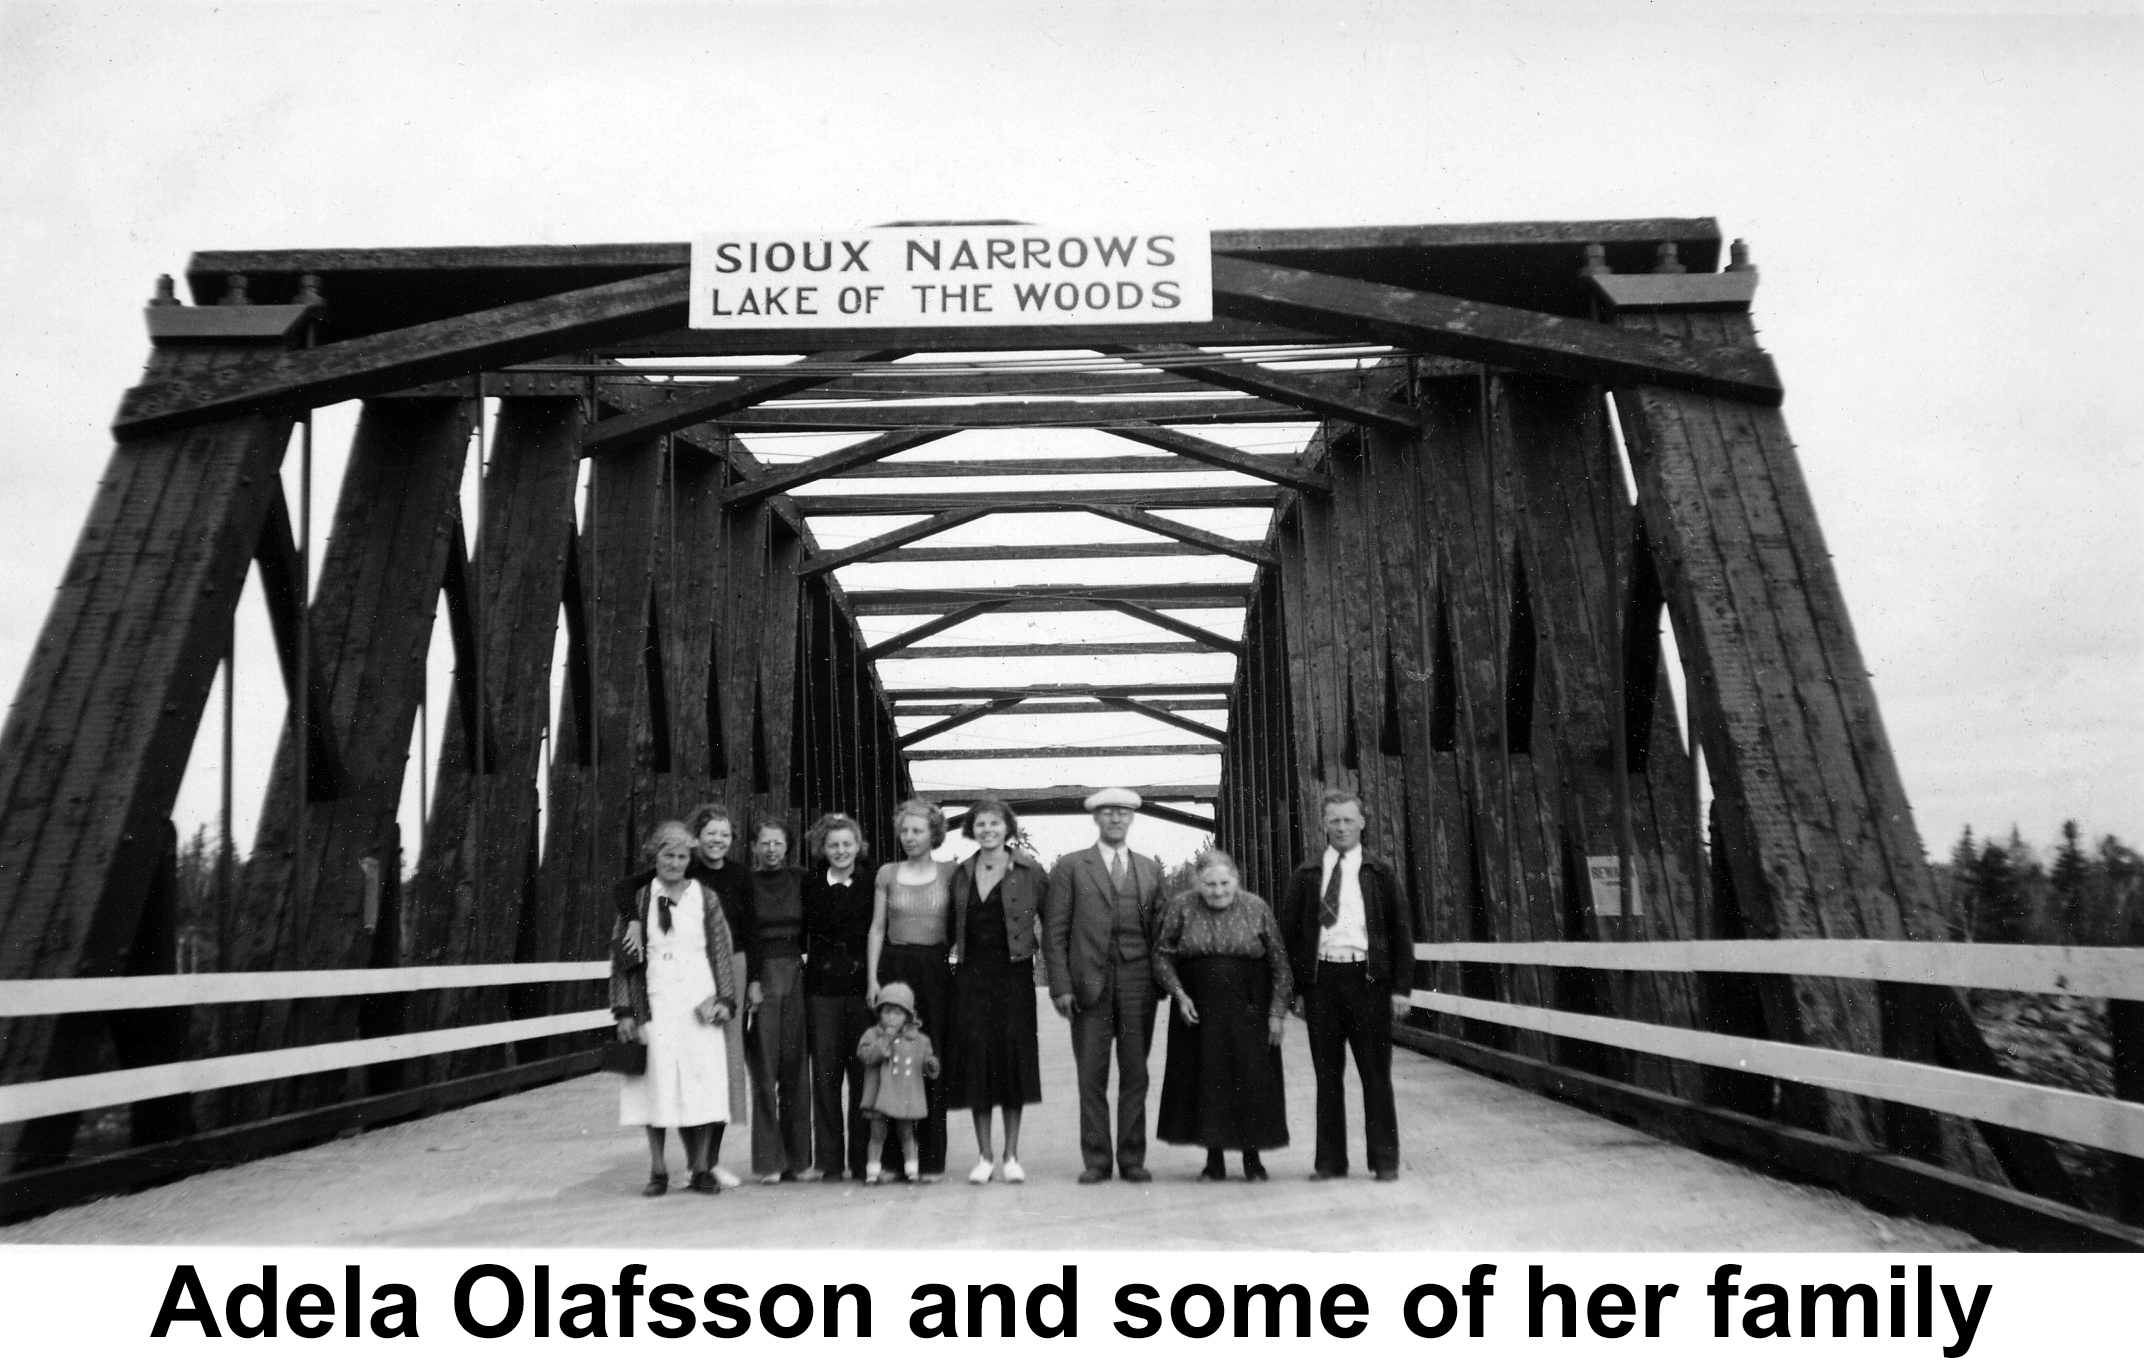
(898,995)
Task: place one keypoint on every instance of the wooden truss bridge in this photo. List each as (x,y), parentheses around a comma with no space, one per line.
(1525,441)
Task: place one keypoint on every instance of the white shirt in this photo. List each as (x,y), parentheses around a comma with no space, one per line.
(1348,937)
(1115,859)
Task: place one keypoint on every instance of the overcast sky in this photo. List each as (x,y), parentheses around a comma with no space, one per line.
(1945,210)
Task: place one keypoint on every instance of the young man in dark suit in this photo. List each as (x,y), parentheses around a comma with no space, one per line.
(1098,928)
(1351,941)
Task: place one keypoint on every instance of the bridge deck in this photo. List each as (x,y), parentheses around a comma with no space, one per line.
(1487,1166)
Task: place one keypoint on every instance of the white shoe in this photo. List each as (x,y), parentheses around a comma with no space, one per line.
(1014,1173)
(727,1179)
(981,1174)
(771,1179)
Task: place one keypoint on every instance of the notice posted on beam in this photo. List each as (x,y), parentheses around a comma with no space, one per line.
(951,276)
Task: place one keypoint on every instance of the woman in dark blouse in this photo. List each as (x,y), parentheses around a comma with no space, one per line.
(781,1085)
(1219,953)
(836,902)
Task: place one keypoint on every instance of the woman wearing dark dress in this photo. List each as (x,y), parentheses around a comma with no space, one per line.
(997,894)
(711,868)
(909,943)
(836,902)
(1219,954)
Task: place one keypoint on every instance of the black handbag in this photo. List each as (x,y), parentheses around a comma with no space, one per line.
(628,1058)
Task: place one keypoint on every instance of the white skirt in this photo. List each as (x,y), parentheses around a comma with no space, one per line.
(688,1077)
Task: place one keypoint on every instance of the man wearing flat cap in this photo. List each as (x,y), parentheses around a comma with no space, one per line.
(1098,925)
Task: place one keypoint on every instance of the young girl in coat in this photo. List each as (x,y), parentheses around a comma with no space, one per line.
(897,1057)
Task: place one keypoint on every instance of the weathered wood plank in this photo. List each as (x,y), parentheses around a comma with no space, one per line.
(393,359)
(841,416)
(1050,599)
(853,458)
(1321,394)
(371,623)
(1488,333)
(1288,472)
(468,892)
(1037,503)
(695,406)
(95,744)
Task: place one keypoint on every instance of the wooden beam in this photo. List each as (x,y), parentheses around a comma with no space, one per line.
(1057,691)
(1017,503)
(938,625)
(1132,382)
(461,627)
(921,709)
(1044,552)
(380,363)
(1051,599)
(822,563)
(1060,752)
(688,406)
(1077,794)
(840,416)
(1161,714)
(1287,472)
(1138,518)
(841,460)
(965,716)
(1273,467)
(1318,393)
(277,556)
(1051,650)
(1223,332)
(1173,625)
(1490,334)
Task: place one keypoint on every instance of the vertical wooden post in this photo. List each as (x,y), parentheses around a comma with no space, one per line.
(371,621)
(528,532)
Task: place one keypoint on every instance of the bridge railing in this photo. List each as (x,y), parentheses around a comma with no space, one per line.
(24,1101)
(2078,1117)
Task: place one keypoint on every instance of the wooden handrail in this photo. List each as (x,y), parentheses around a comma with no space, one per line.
(66,996)
(2070,970)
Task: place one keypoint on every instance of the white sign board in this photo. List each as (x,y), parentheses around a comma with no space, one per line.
(1605,873)
(950,276)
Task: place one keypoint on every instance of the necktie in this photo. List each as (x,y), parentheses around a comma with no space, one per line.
(1329,910)
(1117,868)
(662,911)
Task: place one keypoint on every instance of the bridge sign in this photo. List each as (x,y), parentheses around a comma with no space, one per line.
(951,276)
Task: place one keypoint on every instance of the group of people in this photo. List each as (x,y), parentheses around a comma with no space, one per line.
(848,1009)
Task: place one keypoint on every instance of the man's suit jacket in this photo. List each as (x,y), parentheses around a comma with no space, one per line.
(1079,917)
(1389,923)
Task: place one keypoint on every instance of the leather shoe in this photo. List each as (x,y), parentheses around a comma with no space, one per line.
(1322,1175)
(1093,1175)
(658,1183)
(1136,1174)
(705,1184)
(1388,1174)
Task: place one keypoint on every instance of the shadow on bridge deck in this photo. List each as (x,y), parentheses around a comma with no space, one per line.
(1486,1166)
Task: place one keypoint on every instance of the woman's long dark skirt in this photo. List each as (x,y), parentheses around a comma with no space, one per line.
(923,968)
(1222,1087)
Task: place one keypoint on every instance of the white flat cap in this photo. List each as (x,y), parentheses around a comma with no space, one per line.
(1112,798)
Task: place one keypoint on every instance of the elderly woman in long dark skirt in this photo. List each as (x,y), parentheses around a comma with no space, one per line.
(1219,954)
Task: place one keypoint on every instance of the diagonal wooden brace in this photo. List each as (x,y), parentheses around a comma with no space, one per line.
(1288,473)
(1511,337)
(1183,533)
(840,461)
(661,418)
(391,360)
(1318,394)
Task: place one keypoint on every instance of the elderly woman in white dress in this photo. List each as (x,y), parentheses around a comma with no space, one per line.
(676,998)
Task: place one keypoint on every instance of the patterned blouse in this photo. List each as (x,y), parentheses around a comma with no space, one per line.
(1245,929)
